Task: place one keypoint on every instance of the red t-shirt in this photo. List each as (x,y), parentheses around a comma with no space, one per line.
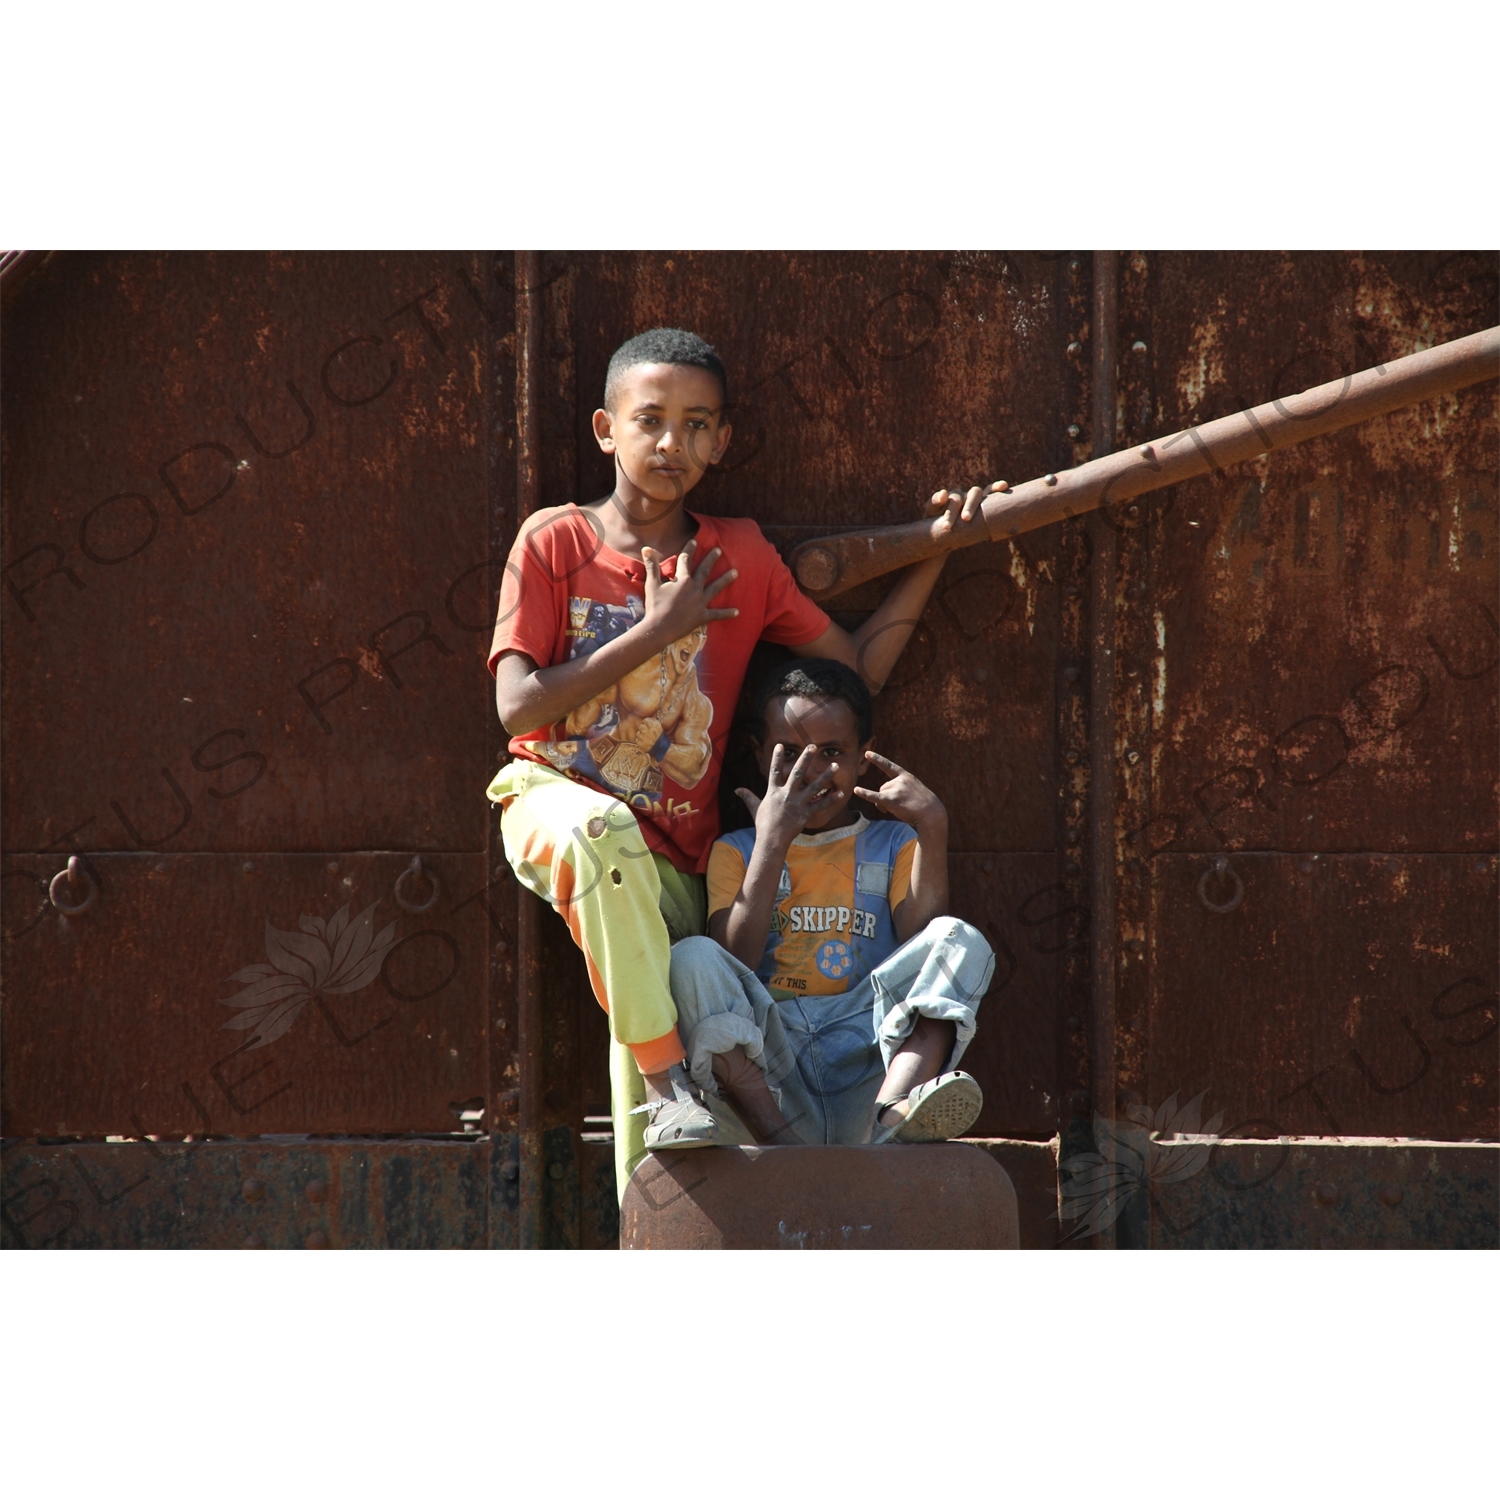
(656,738)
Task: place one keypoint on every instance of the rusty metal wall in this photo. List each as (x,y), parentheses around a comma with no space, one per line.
(253,507)
(247,519)
(1309,693)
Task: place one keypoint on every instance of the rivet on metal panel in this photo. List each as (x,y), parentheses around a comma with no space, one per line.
(1075,347)
(1071,757)
(253,1190)
(1134,591)
(1391,1195)
(1133,511)
(317,1240)
(1072,836)
(555,1171)
(1074,265)
(1327,1193)
(72,874)
(510,1101)
(1071,590)
(1132,756)
(1071,674)
(1138,348)
(333,867)
(1071,868)
(510,1171)
(317,1191)
(1138,264)
(248,867)
(1221,869)
(415,871)
(1074,430)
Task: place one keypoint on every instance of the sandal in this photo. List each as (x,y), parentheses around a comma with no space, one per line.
(935,1111)
(679,1122)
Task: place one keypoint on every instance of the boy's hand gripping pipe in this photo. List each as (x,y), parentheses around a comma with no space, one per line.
(831,564)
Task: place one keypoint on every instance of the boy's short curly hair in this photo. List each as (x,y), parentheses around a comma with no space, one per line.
(663,346)
(822,681)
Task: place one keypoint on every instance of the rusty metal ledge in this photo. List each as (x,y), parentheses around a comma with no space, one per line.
(408,1194)
(1350,1193)
(1327,1194)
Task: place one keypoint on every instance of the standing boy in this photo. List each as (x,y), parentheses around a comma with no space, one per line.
(833,998)
(625,628)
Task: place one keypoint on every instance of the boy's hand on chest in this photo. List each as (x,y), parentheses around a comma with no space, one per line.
(678,606)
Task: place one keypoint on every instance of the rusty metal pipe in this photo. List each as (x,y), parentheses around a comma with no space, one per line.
(529,1052)
(831,564)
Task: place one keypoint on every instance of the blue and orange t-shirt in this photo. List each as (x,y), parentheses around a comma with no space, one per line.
(831,924)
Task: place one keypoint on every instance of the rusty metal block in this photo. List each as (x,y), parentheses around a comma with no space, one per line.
(947,1197)
(1032,1169)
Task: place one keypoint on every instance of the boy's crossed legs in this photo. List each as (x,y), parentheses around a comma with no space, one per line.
(838,1069)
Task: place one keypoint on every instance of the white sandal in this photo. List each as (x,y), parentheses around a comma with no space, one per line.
(935,1111)
(679,1122)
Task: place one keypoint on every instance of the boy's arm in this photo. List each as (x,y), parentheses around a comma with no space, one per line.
(529,697)
(904,796)
(779,817)
(873,649)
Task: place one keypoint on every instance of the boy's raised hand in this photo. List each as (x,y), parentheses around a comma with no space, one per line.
(959,508)
(784,810)
(678,606)
(904,796)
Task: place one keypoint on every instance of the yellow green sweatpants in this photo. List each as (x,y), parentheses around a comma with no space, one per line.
(582,851)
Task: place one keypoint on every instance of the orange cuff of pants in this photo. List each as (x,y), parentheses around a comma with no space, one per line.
(657,1055)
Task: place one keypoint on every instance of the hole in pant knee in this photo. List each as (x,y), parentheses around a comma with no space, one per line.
(596,828)
(615,876)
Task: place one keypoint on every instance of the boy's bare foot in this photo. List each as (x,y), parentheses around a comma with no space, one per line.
(744,1084)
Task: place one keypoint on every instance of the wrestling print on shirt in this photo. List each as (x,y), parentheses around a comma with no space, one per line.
(651,726)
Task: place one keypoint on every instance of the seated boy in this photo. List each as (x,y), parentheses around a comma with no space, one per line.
(833,998)
(625,628)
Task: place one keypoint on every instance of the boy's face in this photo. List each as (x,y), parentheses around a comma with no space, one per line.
(666,429)
(794,723)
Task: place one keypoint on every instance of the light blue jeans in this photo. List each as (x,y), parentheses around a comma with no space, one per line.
(824,1056)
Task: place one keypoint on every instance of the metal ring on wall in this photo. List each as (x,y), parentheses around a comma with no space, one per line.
(72,874)
(415,869)
(1221,867)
